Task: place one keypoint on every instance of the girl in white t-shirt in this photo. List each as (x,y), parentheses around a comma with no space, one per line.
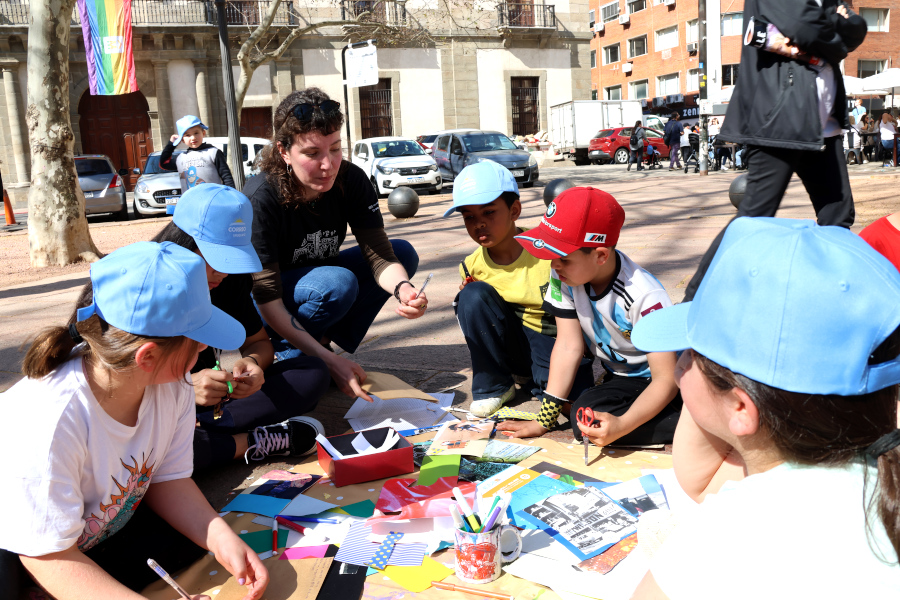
(789,430)
(104,422)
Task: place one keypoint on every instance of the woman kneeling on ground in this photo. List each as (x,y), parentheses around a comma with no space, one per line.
(253,408)
(309,293)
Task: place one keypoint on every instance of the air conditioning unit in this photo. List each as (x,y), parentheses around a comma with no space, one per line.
(598,27)
(644,103)
(624,19)
(659,101)
(674,98)
(669,2)
(692,48)
(626,68)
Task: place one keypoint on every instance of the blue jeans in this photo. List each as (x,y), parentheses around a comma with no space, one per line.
(339,302)
(500,346)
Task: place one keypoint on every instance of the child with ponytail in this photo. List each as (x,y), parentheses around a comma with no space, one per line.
(109,418)
(789,377)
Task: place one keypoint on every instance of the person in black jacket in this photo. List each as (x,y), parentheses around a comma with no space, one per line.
(672,138)
(791,114)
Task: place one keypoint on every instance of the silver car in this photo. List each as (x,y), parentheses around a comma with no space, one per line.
(156,188)
(104,189)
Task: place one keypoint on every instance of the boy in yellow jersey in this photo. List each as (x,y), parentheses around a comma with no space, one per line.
(499,307)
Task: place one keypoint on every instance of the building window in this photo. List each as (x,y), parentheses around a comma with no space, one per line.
(876,18)
(525,111)
(375,109)
(729,74)
(638,90)
(733,24)
(593,59)
(693,80)
(593,94)
(613,93)
(609,12)
(611,54)
(668,84)
(667,38)
(692,34)
(591,18)
(637,46)
(867,68)
(636,6)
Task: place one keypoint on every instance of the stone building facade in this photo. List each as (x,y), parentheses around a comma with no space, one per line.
(474,76)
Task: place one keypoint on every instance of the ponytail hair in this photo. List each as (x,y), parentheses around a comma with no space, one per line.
(830,430)
(98,341)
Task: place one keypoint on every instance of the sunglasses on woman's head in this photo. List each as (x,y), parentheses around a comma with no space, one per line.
(304,111)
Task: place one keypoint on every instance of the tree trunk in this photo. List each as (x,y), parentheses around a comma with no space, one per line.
(57,227)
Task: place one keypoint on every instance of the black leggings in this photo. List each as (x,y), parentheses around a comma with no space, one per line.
(123,556)
(292,387)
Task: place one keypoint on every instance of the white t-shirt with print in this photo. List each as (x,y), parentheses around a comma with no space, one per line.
(790,532)
(607,320)
(73,474)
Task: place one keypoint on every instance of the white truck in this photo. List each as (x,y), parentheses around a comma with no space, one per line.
(574,123)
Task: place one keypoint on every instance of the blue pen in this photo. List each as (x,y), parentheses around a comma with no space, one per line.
(310,519)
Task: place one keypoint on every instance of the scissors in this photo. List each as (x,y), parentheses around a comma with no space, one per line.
(585,417)
(219,409)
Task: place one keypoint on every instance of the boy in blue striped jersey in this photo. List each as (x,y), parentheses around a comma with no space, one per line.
(597,295)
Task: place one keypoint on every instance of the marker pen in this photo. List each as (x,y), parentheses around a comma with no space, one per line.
(466,509)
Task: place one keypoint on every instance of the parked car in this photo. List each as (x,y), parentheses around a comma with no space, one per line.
(250,147)
(457,149)
(394,161)
(104,189)
(156,187)
(427,141)
(612,144)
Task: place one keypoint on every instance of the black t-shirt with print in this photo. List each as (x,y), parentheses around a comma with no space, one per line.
(308,235)
(233,297)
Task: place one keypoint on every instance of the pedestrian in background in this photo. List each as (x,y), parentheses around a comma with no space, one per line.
(636,145)
(672,138)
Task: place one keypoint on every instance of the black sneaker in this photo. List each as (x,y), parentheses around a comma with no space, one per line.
(294,437)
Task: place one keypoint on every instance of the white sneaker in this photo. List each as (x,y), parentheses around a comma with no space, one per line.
(488,406)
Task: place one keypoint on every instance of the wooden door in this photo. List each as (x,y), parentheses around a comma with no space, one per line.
(256,122)
(119,127)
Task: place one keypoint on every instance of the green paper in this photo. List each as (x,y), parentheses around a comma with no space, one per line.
(567,479)
(364,509)
(261,541)
(435,467)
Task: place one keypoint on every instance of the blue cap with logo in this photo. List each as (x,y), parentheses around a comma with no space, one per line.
(186,122)
(481,183)
(790,304)
(160,290)
(220,220)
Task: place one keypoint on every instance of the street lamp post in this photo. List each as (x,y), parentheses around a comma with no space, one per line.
(234,134)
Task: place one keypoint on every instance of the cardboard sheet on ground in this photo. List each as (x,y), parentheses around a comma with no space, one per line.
(388,387)
(435,467)
(356,549)
(418,579)
(288,580)
(400,413)
(399,499)
(468,438)
(260,505)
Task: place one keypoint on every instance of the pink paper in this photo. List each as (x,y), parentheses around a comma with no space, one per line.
(304,552)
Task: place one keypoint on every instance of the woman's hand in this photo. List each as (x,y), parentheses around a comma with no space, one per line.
(242,562)
(348,375)
(248,378)
(210,386)
(410,306)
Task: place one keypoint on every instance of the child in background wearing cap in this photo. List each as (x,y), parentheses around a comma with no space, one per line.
(499,306)
(215,222)
(201,162)
(797,384)
(598,294)
(107,420)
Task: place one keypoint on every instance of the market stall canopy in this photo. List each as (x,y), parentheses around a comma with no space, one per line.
(888,82)
(853,86)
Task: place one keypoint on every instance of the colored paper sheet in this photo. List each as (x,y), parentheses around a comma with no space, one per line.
(511,413)
(638,495)
(534,491)
(356,549)
(506,452)
(416,502)
(288,580)
(559,470)
(462,437)
(604,563)
(371,571)
(363,509)
(435,467)
(302,506)
(304,552)
(418,579)
(506,481)
(261,541)
(260,505)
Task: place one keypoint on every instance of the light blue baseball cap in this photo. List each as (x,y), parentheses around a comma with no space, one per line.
(186,122)
(220,220)
(790,304)
(481,183)
(160,290)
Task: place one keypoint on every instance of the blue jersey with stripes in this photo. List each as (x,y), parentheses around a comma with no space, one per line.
(608,318)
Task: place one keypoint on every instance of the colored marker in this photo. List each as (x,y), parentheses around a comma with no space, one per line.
(310,519)
(458,588)
(488,514)
(167,578)
(466,509)
(458,520)
(298,528)
(495,513)
(275,537)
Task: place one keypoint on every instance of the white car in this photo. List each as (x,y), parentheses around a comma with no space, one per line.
(391,162)
(155,188)
(250,149)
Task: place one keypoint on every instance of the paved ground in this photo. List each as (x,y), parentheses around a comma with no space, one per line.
(670,220)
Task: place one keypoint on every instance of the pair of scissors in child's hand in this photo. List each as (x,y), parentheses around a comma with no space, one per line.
(585,416)
(220,407)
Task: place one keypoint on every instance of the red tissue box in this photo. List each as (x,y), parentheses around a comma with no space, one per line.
(355,468)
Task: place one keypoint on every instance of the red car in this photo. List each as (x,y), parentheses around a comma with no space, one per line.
(612,144)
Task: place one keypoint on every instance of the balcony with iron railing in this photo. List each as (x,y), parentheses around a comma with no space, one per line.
(173,12)
(386,12)
(526,15)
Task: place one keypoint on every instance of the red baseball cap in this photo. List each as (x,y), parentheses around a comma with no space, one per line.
(580,217)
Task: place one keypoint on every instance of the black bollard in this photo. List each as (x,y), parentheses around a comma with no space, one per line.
(554,188)
(403,202)
(736,189)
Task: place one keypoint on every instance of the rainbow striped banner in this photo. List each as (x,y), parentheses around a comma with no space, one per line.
(106,26)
